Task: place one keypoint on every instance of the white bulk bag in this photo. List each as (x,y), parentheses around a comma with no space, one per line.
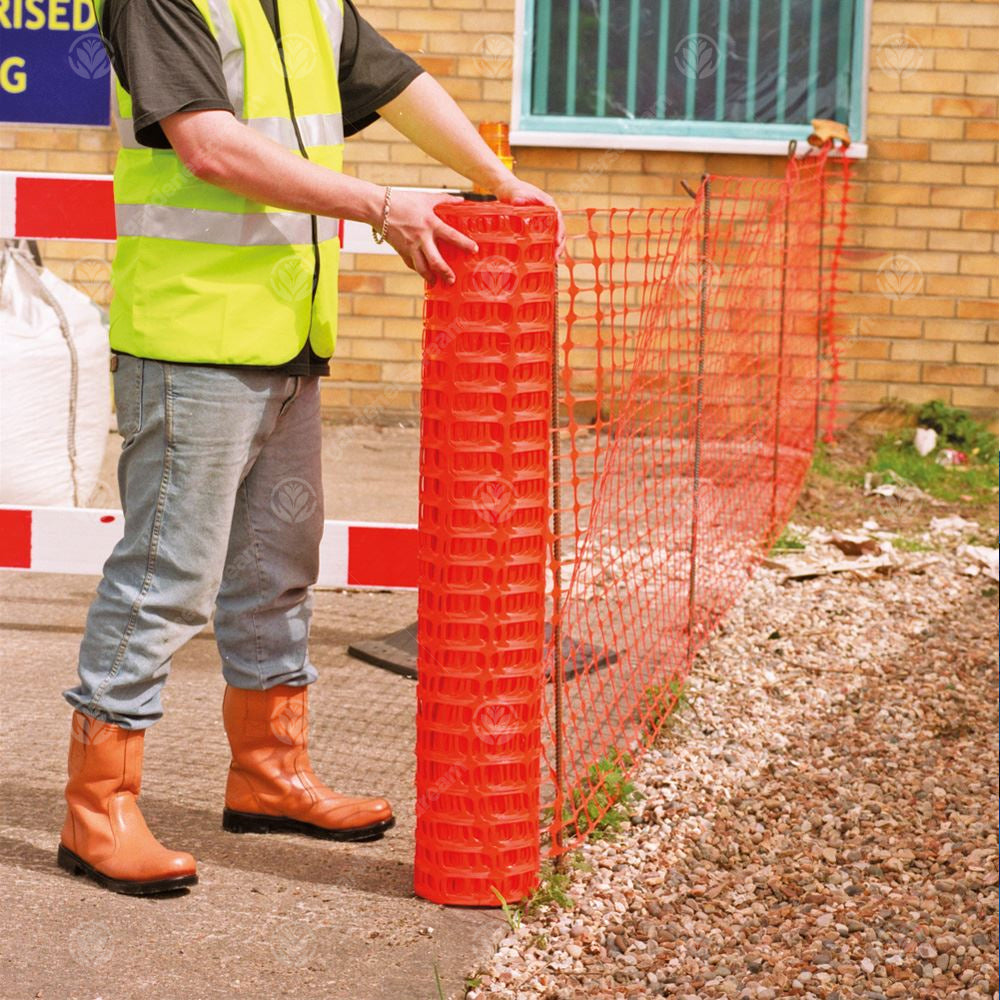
(55,397)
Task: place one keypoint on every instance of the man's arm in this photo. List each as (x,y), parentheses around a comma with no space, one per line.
(428,116)
(220,150)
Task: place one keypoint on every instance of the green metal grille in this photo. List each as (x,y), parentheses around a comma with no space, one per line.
(715,67)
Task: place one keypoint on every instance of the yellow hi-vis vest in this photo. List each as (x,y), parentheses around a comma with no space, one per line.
(207,276)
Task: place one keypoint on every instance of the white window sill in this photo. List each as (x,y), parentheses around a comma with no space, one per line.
(676,144)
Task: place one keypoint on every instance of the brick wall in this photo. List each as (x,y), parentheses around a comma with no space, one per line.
(919,317)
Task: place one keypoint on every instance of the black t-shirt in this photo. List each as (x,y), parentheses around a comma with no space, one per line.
(166,57)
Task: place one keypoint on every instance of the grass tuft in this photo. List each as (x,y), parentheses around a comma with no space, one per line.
(958,429)
(601,804)
(976,482)
(788,541)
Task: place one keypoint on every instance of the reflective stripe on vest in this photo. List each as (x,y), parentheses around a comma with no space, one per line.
(233,61)
(234,229)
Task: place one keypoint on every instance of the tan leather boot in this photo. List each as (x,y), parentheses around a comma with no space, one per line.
(104,836)
(271,786)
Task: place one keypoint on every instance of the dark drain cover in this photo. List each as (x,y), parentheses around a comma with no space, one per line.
(397,652)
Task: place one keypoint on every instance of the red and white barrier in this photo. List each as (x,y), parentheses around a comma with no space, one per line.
(50,206)
(41,206)
(56,207)
(353,554)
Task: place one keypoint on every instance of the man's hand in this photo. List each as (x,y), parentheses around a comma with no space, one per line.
(518,192)
(414,229)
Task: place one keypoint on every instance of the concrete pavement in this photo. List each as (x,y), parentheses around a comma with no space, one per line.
(273,916)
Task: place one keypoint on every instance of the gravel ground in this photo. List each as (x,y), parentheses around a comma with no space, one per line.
(820,823)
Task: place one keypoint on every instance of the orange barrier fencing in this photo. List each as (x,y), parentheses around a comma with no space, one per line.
(691,383)
(666,409)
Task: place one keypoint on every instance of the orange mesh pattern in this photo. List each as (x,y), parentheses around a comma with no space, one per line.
(482,552)
(690,388)
(692,347)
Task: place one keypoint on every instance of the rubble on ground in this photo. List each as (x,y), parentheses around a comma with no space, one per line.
(821,821)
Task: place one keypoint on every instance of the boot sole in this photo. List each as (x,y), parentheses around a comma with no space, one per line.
(240,822)
(75,865)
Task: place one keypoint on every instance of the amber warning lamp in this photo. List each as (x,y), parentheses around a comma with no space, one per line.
(496,135)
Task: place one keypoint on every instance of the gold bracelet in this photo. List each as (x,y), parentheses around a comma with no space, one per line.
(379,234)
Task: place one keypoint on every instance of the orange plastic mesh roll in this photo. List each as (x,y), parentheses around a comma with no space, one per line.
(483,549)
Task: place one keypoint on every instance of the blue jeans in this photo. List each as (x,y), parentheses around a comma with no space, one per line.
(221,485)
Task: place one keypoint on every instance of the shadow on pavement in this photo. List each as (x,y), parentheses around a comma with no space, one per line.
(199,832)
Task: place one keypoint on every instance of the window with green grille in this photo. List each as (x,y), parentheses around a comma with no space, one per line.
(726,68)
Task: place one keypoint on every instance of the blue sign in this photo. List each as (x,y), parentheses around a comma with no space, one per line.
(53,67)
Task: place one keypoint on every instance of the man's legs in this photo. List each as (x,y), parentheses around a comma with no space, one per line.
(191,436)
(192,433)
(264,603)
(262,628)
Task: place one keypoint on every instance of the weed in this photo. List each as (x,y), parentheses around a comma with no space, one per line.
(600,804)
(976,482)
(904,544)
(512,914)
(823,465)
(957,429)
(788,541)
(437,981)
(951,483)
(473,982)
(988,538)
(552,888)
(660,704)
